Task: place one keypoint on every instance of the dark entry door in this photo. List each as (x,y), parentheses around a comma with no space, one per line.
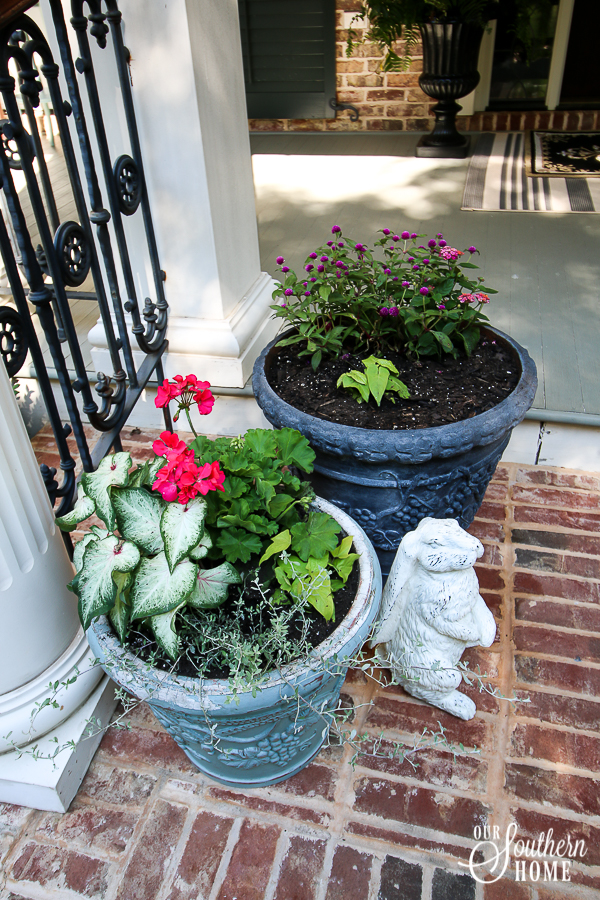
(288,48)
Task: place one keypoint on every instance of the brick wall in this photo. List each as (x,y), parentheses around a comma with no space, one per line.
(395,102)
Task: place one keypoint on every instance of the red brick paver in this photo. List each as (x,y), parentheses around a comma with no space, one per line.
(145,824)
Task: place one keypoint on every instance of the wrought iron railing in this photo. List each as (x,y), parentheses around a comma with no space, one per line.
(69,251)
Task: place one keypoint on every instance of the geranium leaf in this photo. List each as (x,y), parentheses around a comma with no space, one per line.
(83,509)
(279,503)
(316,536)
(294,449)
(166,637)
(94,583)
(238,544)
(138,515)
(157,590)
(255,524)
(181,528)
(279,543)
(262,442)
(200,550)
(212,585)
(112,471)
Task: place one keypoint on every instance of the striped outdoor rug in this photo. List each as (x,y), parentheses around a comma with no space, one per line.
(496,179)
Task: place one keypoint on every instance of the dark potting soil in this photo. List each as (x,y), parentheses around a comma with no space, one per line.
(441,391)
(143,645)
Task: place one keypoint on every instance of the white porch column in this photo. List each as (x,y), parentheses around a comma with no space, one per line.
(188,88)
(41,640)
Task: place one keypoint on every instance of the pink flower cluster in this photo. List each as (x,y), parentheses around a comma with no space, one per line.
(450,253)
(189,390)
(479,297)
(181,478)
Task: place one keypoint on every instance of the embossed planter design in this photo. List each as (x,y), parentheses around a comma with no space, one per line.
(264,739)
(389,480)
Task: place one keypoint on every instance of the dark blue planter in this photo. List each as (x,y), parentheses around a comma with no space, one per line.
(389,480)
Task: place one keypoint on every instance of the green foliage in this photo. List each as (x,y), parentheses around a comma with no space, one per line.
(377,380)
(159,560)
(400,297)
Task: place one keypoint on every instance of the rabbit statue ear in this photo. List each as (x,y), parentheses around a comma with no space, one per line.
(392,601)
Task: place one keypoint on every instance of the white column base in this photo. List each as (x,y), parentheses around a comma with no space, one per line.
(52,784)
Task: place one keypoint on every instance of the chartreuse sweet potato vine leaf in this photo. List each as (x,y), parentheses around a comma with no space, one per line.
(138,514)
(94,583)
(279,543)
(84,507)
(315,537)
(307,581)
(112,471)
(212,585)
(157,590)
(378,378)
(181,528)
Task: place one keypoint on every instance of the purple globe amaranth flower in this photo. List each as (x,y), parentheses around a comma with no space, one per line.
(388,271)
(386,231)
(414,235)
(393,310)
(405,235)
(395,278)
(411,259)
(340,265)
(339,274)
(309,267)
(312,255)
(345,356)
(441,306)
(336,229)
(307,293)
(360,247)
(305,283)
(324,259)
(443,243)
(416,268)
(319,269)
(424,290)
(384,311)
(395,237)
(280,260)
(406,284)
(440,235)
(330,243)
(313,279)
(426,262)
(432,243)
(341,245)
(472,249)
(288,292)
(283,305)
(285,268)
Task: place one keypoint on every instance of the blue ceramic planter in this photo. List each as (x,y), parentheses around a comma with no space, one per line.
(254,741)
(389,480)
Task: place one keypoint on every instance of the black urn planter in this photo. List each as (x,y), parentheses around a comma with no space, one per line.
(389,480)
(450,58)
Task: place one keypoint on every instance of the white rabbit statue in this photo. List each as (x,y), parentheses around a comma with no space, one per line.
(432,611)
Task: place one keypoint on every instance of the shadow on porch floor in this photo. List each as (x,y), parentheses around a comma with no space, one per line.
(146,826)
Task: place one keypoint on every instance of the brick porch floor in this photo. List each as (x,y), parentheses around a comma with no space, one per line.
(146,825)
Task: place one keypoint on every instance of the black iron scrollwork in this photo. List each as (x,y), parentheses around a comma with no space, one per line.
(73,251)
(129,186)
(354,113)
(13,343)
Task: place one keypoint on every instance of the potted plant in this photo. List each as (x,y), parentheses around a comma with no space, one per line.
(224,593)
(405,393)
(451,33)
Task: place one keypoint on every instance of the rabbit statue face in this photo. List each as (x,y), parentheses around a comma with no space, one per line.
(443,546)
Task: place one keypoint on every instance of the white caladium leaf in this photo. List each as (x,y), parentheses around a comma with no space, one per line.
(146,474)
(181,528)
(94,583)
(113,470)
(121,613)
(164,632)
(138,515)
(200,550)
(210,589)
(80,546)
(83,509)
(157,590)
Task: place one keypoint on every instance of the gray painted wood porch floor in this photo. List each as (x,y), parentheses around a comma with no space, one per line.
(546,266)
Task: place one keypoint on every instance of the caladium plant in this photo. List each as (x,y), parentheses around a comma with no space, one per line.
(182,528)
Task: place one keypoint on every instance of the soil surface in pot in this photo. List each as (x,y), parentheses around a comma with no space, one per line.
(441,391)
(143,645)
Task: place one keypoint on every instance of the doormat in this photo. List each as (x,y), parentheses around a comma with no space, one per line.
(497,180)
(563,154)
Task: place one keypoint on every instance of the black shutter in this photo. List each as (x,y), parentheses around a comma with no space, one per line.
(288,48)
